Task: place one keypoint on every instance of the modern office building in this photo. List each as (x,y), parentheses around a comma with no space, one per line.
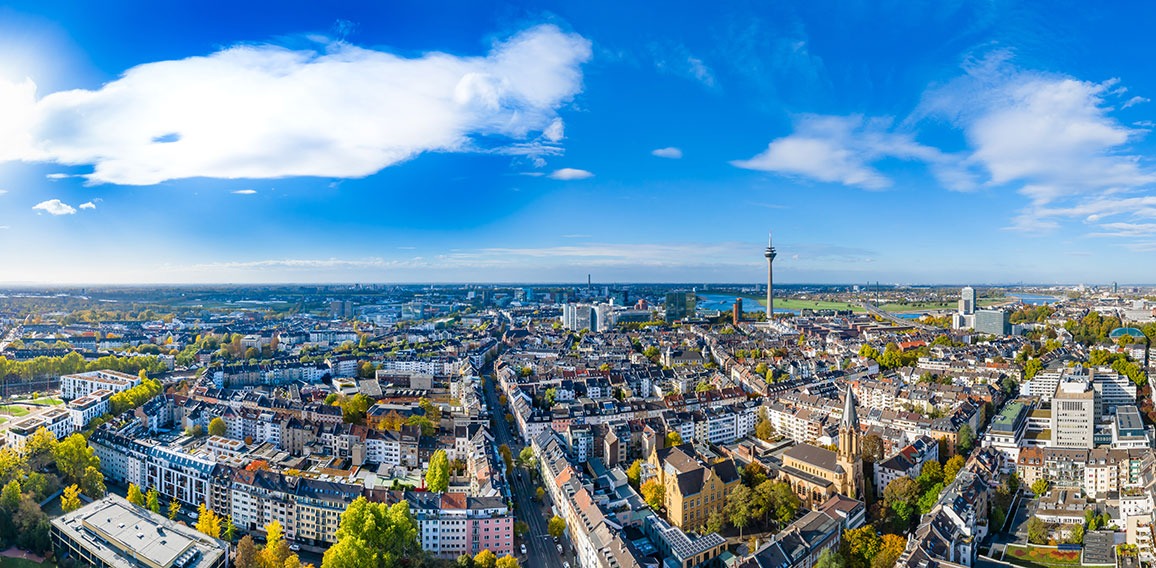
(737,311)
(992,322)
(84,384)
(967,301)
(1073,413)
(679,305)
(113,533)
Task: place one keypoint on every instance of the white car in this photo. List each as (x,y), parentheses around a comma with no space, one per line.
(294,547)
(523,550)
(565,564)
(559,548)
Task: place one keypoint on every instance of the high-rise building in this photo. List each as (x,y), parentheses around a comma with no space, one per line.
(737,311)
(967,301)
(679,305)
(1073,413)
(342,309)
(992,322)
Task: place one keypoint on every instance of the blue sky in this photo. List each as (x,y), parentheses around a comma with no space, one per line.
(468,141)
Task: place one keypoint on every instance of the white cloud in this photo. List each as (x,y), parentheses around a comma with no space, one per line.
(56,177)
(55,207)
(88,205)
(570,174)
(843,149)
(670,152)
(245,191)
(1133,102)
(3,191)
(264,111)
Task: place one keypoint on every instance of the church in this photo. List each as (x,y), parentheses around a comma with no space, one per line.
(818,473)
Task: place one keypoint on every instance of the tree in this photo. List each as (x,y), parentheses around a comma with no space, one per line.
(714,522)
(134,495)
(892,545)
(556,526)
(828,559)
(540,493)
(860,546)
(373,535)
(10,497)
(437,477)
(634,474)
(153,500)
(872,448)
(929,498)
(526,457)
(464,561)
(71,499)
(208,522)
(521,528)
(228,529)
(673,439)
(174,509)
(551,395)
(764,430)
(654,493)
(74,457)
(276,550)
(966,439)
(1040,486)
(507,458)
(485,559)
(92,482)
(217,427)
(738,507)
(930,474)
(951,469)
(1037,531)
(1076,534)
(507,561)
(246,553)
(39,449)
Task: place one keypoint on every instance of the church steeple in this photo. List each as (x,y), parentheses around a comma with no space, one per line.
(850,455)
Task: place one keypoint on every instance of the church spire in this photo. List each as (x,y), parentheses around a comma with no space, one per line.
(850,419)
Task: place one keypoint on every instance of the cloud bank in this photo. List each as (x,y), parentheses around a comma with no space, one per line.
(265,111)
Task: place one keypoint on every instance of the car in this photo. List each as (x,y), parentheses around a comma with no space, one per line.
(523,549)
(559,548)
(294,547)
(565,564)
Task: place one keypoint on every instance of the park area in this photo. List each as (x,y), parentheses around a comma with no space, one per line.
(1040,557)
(15,558)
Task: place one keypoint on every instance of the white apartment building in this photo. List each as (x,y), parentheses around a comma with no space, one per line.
(84,409)
(1073,413)
(84,384)
(57,421)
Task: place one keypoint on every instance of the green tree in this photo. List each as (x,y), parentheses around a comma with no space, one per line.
(92,482)
(1037,531)
(464,561)
(217,427)
(715,521)
(738,507)
(373,535)
(929,498)
(828,559)
(872,447)
(10,497)
(930,474)
(551,396)
(556,526)
(153,501)
(73,457)
(1076,534)
(521,528)
(437,477)
(965,440)
(764,430)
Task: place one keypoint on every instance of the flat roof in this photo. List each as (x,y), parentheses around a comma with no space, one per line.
(126,536)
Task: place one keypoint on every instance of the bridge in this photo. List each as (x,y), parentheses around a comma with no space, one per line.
(871,309)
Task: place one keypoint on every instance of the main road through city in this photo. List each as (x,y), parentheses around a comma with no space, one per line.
(540,547)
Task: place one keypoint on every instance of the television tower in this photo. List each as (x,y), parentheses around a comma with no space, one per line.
(770,254)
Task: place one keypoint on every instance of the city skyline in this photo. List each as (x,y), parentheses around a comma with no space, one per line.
(540,142)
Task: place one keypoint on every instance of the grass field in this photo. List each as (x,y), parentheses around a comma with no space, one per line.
(13,410)
(1033,556)
(49,400)
(6,562)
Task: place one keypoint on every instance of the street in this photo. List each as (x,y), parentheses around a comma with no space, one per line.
(540,545)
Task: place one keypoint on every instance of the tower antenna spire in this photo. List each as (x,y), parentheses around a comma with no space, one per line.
(770,254)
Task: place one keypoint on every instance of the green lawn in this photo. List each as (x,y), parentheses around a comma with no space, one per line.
(1036,557)
(49,400)
(6,562)
(13,410)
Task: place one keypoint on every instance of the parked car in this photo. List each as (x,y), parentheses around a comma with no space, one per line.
(294,547)
(523,550)
(565,564)
(559,548)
